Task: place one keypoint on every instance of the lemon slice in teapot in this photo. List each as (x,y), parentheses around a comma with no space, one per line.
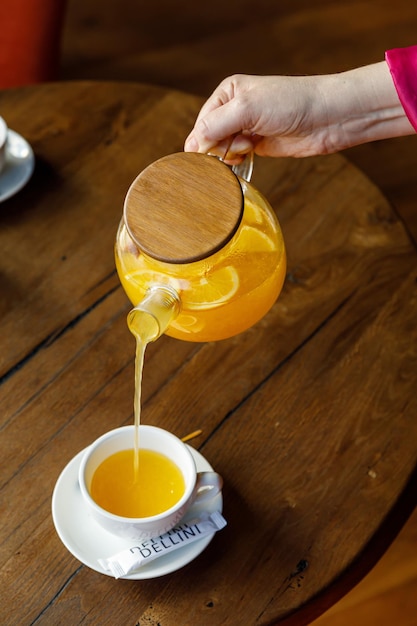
(213,290)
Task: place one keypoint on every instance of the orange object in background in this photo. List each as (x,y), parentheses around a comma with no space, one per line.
(30,37)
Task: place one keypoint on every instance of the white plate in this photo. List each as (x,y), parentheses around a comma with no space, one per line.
(88,541)
(18,167)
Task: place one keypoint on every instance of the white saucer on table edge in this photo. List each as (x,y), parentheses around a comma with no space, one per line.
(18,166)
(88,541)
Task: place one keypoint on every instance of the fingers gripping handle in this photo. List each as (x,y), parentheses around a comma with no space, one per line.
(244,170)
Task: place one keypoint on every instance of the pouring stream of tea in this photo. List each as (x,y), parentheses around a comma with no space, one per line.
(145,329)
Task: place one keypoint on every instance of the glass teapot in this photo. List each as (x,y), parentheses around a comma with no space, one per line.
(199,251)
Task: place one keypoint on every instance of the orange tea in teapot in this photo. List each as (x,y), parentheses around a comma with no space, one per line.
(222,293)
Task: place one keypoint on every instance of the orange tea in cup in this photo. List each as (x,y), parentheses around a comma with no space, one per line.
(183,486)
(156,487)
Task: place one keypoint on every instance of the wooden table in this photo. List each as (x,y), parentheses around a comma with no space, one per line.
(309,416)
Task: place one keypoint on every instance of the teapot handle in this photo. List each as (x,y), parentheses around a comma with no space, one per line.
(244,170)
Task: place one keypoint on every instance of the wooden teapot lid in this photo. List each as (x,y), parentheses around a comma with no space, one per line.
(183,207)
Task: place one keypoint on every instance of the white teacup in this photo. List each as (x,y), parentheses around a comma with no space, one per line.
(3,142)
(198,485)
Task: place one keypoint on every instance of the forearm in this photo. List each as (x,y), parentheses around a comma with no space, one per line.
(302,116)
(362,105)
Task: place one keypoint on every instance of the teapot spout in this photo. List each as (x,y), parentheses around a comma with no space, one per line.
(149,319)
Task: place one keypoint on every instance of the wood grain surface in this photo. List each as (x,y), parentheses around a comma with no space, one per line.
(309,416)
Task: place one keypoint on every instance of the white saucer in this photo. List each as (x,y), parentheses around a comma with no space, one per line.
(18,167)
(88,541)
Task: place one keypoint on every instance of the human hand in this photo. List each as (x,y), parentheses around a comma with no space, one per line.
(271,115)
(298,116)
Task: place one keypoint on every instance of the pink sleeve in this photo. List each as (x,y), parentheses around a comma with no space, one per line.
(402,63)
